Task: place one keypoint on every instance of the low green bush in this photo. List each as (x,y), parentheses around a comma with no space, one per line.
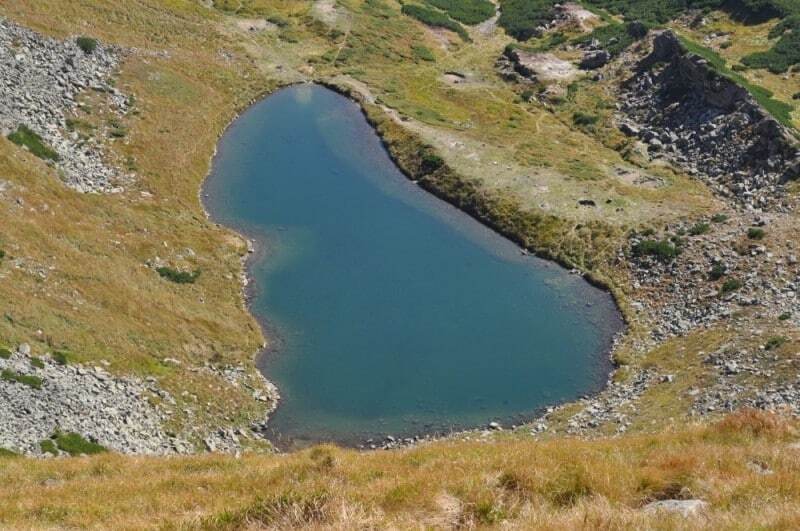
(774,342)
(24,136)
(717,272)
(731,285)
(36,362)
(61,357)
(5,353)
(719,218)
(178,277)
(469,12)
(756,233)
(699,228)
(520,18)
(584,119)
(435,18)
(785,316)
(87,44)
(663,250)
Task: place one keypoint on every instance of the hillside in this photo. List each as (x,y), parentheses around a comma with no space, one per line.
(651,149)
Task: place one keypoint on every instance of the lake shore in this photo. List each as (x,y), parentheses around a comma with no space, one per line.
(258,250)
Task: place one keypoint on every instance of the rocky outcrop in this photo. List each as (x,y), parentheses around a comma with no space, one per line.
(118,413)
(520,65)
(40,80)
(688,113)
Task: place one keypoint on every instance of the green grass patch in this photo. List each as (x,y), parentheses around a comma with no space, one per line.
(36,362)
(23,136)
(48,447)
(177,276)
(5,353)
(785,316)
(24,379)
(469,12)
(74,444)
(756,233)
(423,53)
(719,218)
(435,18)
(5,452)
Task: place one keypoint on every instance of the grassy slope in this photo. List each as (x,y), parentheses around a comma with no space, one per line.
(81,277)
(557,484)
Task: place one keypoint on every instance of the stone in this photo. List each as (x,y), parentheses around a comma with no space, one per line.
(594,59)
(685,508)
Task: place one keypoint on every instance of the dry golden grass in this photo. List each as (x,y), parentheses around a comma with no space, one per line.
(745,467)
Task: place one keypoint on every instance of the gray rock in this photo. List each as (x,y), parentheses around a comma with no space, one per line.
(685,508)
(594,59)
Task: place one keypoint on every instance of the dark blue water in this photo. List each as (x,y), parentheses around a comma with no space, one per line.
(388,311)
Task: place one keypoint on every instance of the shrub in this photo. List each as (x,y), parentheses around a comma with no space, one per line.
(36,362)
(717,272)
(2,254)
(584,119)
(435,18)
(660,249)
(755,233)
(520,18)
(785,316)
(5,353)
(613,37)
(24,379)
(699,228)
(774,342)
(719,218)
(469,12)
(24,136)
(74,444)
(60,357)
(430,162)
(278,21)
(86,44)
(731,285)
(178,277)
